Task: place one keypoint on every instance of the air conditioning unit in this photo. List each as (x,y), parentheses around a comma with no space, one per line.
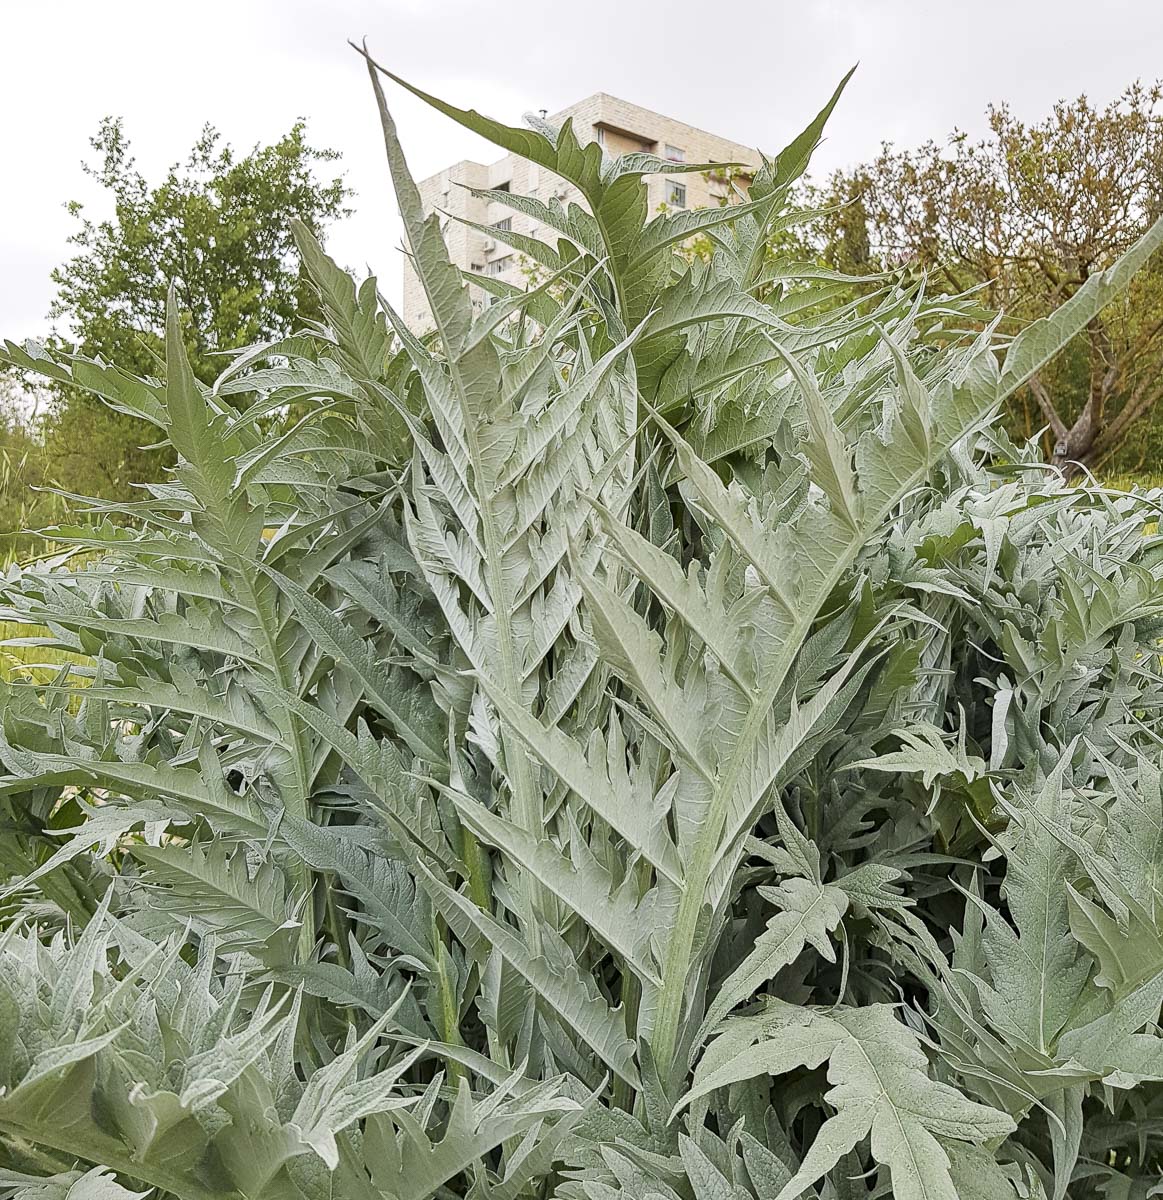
(561,191)
(490,245)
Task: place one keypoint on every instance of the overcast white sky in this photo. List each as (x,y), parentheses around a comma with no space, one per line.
(752,70)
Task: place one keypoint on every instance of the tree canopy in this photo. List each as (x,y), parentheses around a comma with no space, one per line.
(1027,215)
(218,223)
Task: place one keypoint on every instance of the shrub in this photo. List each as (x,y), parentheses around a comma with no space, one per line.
(638,741)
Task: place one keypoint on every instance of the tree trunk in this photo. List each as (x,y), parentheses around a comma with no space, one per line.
(1075,452)
(1078,448)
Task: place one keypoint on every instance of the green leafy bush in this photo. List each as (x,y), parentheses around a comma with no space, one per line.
(630,743)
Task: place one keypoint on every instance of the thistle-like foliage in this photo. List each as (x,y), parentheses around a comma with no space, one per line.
(651,737)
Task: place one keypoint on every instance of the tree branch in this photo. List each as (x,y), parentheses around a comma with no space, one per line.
(1048,409)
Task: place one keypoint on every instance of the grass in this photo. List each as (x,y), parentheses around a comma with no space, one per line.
(21,661)
(39,663)
(1144,480)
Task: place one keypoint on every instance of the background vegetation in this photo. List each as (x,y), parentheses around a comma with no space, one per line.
(220,222)
(1027,216)
(1024,217)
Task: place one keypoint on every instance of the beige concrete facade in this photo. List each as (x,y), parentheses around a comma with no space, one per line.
(621,128)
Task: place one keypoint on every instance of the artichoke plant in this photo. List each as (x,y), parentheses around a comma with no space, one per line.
(652,737)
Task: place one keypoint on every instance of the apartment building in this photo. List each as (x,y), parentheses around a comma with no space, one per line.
(620,128)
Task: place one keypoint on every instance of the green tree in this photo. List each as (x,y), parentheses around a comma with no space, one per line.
(218,224)
(1028,215)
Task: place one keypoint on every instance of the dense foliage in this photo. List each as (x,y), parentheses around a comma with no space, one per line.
(1027,215)
(220,224)
(640,741)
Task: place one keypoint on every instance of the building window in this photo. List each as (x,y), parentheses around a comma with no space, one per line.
(502,187)
(499,265)
(675,194)
(477,267)
(503,226)
(675,153)
(601,138)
